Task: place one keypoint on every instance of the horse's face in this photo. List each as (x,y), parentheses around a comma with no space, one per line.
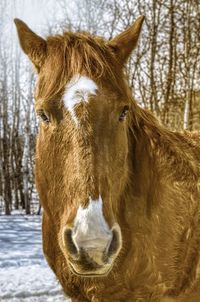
(81,167)
(82,148)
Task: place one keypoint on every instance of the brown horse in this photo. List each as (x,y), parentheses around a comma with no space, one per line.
(120,192)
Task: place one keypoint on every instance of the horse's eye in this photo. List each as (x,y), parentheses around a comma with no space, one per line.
(123,113)
(43,116)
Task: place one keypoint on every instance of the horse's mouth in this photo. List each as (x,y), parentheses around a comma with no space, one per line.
(90,274)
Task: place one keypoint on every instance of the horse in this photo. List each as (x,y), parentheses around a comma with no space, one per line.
(120,192)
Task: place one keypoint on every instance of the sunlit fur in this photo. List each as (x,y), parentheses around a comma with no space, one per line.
(148,177)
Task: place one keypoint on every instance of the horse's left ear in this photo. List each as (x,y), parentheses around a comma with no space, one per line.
(33,45)
(125,42)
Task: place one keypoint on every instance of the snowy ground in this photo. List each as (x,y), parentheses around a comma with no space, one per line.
(24,274)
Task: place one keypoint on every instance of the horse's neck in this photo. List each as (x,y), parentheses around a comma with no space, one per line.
(152,173)
(163,199)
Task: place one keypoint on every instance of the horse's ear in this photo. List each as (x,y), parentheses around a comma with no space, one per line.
(33,45)
(125,42)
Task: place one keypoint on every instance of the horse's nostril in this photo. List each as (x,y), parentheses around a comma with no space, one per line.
(68,242)
(115,244)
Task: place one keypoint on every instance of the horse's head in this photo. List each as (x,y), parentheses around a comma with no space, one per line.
(82,163)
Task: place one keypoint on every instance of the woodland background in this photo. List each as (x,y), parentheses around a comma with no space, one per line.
(164,73)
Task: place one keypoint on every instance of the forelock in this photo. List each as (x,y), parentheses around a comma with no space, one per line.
(75,53)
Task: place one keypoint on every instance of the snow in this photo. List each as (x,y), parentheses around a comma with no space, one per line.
(24,273)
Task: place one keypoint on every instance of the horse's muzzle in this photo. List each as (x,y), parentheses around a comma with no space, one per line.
(92,256)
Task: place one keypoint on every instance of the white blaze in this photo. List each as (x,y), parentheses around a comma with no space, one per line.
(90,227)
(78,90)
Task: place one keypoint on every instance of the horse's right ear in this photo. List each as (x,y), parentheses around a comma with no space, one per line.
(34,46)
